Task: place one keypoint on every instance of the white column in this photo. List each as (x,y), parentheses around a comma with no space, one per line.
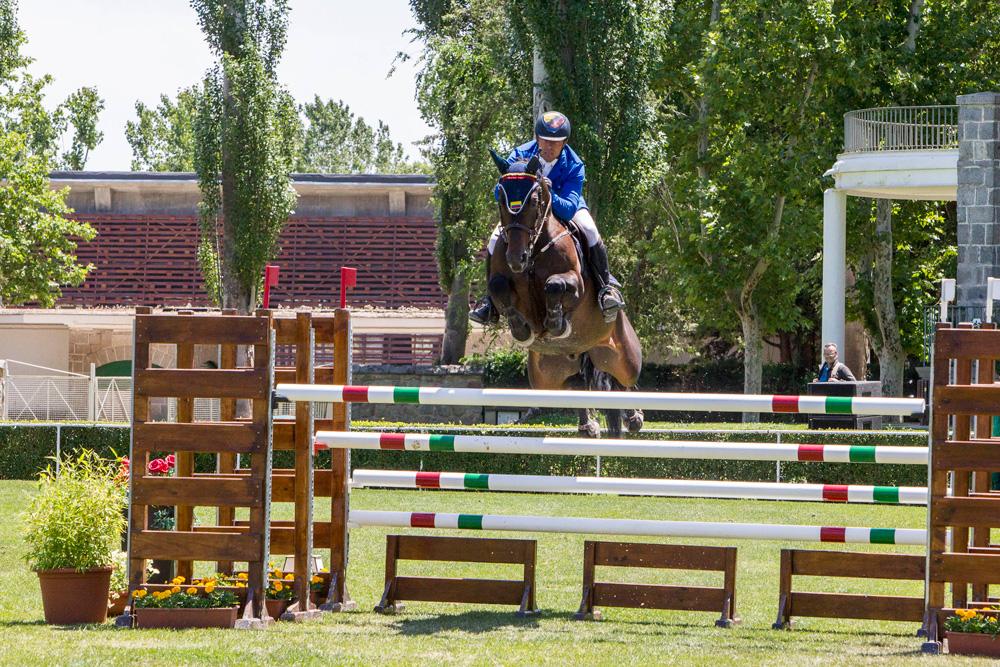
(834,266)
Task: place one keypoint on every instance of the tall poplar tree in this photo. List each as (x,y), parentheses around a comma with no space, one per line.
(246,134)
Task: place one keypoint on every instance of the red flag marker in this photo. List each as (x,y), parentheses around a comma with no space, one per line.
(348,279)
(270,278)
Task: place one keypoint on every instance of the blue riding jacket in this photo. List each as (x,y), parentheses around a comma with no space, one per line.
(567,178)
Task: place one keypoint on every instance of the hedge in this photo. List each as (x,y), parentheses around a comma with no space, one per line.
(24,452)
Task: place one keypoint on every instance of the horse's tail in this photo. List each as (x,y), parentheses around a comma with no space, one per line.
(595,379)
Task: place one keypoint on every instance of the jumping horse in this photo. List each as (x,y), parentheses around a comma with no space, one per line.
(540,284)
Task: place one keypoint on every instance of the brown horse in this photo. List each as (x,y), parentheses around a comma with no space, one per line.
(538,283)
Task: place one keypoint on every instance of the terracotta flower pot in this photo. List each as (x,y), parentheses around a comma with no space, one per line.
(973,643)
(275,608)
(70,597)
(116,606)
(217,617)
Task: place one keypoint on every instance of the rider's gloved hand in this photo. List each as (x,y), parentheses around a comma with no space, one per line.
(544,180)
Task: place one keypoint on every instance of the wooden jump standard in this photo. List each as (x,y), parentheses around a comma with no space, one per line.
(185,490)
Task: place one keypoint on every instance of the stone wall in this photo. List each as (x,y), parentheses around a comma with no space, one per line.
(417,376)
(978,196)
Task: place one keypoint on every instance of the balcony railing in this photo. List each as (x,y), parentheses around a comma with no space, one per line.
(901,129)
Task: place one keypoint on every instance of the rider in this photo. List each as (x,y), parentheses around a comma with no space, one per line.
(565,172)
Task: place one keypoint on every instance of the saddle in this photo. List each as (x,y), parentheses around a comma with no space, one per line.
(582,251)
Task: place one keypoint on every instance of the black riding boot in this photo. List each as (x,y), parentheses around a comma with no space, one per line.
(484,312)
(609,297)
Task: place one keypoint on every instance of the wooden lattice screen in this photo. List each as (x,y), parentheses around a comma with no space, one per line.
(185,490)
(963,509)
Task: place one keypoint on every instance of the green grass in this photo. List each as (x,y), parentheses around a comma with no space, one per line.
(467,634)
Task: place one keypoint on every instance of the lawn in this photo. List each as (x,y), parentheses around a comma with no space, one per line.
(467,634)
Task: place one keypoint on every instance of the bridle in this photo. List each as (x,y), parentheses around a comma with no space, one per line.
(535,231)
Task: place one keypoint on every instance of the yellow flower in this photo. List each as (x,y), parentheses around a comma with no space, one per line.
(278,587)
(289,577)
(316,579)
(278,574)
(139,593)
(192,591)
(177,580)
(175,589)
(242,576)
(240,584)
(965,614)
(209,588)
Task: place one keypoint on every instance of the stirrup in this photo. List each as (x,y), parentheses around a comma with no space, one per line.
(611,302)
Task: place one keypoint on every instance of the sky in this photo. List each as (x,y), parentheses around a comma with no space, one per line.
(137,49)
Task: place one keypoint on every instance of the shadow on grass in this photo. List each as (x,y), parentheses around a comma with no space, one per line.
(470,622)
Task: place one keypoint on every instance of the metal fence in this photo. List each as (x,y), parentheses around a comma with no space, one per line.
(65,398)
(901,128)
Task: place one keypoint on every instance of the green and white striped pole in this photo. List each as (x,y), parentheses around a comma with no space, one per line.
(840,405)
(837,493)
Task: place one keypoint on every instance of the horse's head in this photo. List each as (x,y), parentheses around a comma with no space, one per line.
(525,202)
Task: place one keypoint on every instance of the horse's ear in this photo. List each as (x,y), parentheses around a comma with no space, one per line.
(502,165)
(533,165)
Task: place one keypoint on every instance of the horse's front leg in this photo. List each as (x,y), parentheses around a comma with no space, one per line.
(502,292)
(562,294)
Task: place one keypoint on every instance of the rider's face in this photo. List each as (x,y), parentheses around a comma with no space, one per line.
(549,149)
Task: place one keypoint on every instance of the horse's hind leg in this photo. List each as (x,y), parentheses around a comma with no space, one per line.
(622,359)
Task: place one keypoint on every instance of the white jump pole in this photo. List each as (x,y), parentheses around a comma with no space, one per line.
(719,530)
(460,481)
(672,449)
(853,405)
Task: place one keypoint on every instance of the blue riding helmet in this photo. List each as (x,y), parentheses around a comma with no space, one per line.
(552,125)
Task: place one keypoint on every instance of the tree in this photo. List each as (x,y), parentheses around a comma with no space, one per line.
(741,87)
(162,139)
(246,133)
(336,142)
(38,239)
(470,90)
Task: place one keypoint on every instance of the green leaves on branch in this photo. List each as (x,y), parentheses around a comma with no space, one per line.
(163,139)
(245,132)
(75,520)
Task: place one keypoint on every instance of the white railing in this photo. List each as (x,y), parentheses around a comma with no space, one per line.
(901,128)
(65,398)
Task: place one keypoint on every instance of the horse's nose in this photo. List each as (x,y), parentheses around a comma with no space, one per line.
(524,257)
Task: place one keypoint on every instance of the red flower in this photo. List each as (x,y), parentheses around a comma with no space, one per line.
(157,466)
(171,460)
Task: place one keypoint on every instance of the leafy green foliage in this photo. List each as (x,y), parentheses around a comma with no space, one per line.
(245,134)
(971,621)
(75,520)
(162,139)
(337,142)
(82,109)
(37,238)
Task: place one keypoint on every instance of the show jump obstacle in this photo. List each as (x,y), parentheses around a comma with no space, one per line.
(655,555)
(962,509)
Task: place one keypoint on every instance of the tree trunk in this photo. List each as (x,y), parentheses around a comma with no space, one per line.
(456,320)
(889,347)
(753,356)
(233,293)
(540,102)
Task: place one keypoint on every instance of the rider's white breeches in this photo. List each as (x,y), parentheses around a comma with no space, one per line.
(583,219)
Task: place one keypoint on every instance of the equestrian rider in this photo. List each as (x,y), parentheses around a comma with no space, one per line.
(565,173)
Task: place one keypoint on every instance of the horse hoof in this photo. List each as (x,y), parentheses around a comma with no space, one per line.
(526,342)
(567,330)
(634,421)
(590,430)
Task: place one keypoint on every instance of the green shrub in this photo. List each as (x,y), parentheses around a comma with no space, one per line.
(75,520)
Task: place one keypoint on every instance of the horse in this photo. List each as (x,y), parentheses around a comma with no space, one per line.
(537,281)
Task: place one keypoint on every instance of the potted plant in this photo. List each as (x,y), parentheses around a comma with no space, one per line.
(319,586)
(73,526)
(973,632)
(280,592)
(201,606)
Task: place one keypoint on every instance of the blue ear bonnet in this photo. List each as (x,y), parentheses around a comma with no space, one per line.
(516,187)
